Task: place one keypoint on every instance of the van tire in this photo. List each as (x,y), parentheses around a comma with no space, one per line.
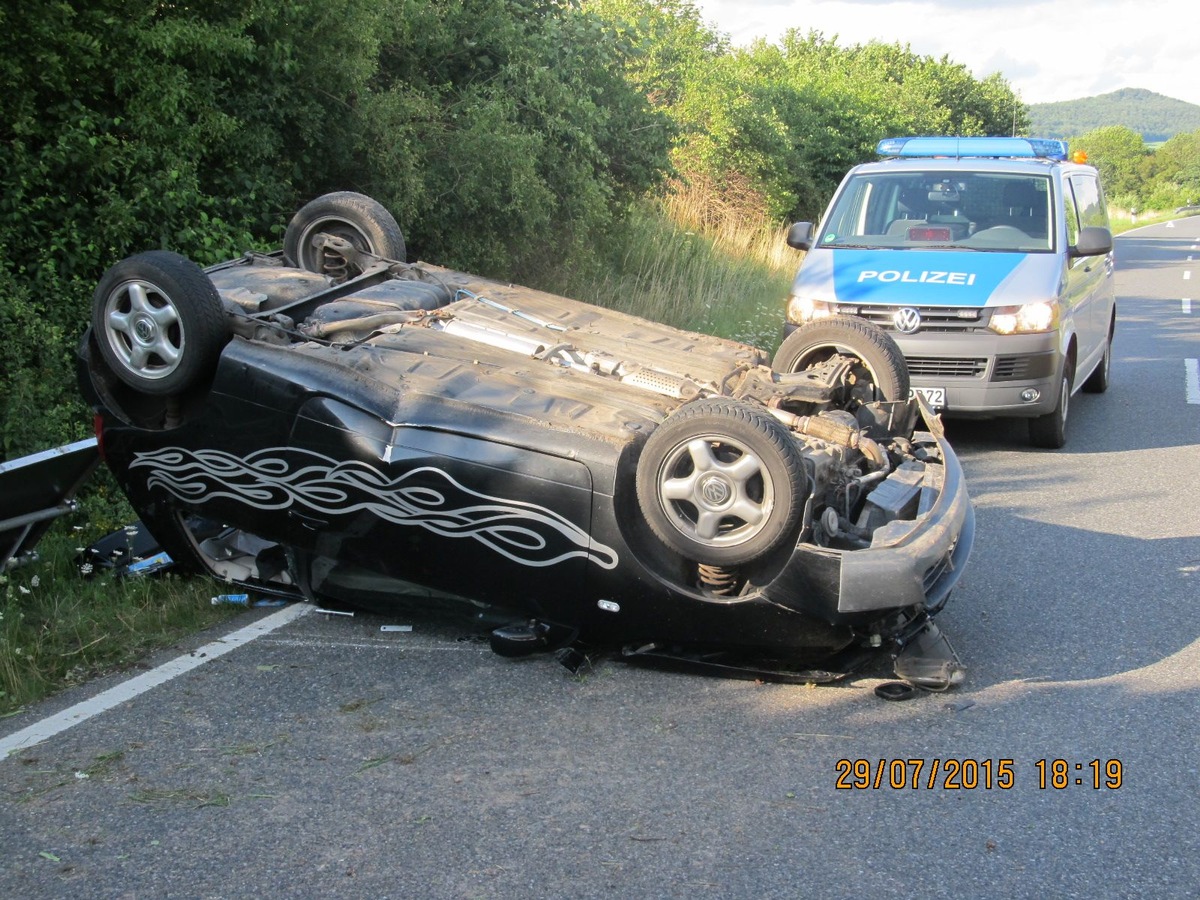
(1098,381)
(1049,432)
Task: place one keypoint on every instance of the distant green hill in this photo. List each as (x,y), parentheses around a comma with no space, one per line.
(1154,116)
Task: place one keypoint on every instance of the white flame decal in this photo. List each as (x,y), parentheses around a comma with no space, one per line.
(279,478)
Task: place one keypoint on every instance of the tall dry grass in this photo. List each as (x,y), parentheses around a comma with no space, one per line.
(675,261)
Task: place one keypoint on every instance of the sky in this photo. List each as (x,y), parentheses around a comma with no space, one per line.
(1047,51)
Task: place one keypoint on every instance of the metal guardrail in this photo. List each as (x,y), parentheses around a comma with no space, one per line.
(37,489)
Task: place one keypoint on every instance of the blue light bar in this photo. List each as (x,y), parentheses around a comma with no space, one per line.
(959,147)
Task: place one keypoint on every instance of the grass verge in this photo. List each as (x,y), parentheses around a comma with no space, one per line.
(58,628)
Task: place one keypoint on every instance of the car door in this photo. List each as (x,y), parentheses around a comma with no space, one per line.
(446,510)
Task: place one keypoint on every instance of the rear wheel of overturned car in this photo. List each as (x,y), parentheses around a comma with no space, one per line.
(158,322)
(720,482)
(356,218)
(877,370)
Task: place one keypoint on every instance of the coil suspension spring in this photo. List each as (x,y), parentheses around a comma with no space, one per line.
(718,580)
(334,265)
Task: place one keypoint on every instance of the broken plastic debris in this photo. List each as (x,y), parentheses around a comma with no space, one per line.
(928,661)
(244,600)
(395,628)
(333,612)
(895,690)
(149,565)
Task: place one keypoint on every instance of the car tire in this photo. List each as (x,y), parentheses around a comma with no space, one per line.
(363,222)
(1098,381)
(158,322)
(1049,432)
(881,372)
(720,482)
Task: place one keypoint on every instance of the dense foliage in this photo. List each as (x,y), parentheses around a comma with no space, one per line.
(1155,117)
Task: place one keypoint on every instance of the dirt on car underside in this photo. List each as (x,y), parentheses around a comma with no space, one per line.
(432,330)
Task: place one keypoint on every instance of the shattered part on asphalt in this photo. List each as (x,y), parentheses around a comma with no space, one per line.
(335,423)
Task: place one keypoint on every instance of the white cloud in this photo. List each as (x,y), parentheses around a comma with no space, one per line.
(1046,49)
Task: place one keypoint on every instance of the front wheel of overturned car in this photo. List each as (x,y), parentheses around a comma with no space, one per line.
(158,322)
(720,482)
(877,367)
(356,218)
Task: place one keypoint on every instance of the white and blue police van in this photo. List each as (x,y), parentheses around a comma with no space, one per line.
(989,262)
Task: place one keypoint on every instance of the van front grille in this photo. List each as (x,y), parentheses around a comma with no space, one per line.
(933,318)
(946,367)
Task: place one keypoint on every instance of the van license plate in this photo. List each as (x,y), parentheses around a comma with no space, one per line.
(934,396)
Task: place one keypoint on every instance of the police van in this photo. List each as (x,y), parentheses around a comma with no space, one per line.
(988,260)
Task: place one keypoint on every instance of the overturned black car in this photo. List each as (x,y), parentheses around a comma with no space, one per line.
(333,422)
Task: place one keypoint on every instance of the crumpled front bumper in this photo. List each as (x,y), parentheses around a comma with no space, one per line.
(914,563)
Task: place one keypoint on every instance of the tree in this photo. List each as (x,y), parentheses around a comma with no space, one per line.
(1118,154)
(504,134)
(1173,176)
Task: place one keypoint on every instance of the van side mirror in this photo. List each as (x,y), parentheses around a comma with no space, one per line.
(800,235)
(1093,240)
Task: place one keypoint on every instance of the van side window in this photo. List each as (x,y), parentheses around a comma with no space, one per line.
(1072,215)
(1089,200)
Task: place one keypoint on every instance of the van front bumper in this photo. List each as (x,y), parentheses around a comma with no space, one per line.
(986,375)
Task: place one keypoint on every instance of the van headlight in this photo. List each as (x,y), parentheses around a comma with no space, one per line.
(802,310)
(1027,319)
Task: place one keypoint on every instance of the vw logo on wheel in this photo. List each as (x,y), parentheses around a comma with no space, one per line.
(715,490)
(907,320)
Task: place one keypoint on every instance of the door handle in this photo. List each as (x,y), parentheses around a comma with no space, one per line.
(310,522)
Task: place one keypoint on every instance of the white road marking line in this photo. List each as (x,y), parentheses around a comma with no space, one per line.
(1187,276)
(1187,306)
(1192,367)
(127,690)
(389,646)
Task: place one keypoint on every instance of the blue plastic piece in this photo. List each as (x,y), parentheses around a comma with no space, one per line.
(960,147)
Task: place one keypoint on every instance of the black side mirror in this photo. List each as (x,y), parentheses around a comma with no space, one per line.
(800,235)
(1093,240)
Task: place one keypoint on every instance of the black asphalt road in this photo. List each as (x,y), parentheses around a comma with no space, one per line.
(330,759)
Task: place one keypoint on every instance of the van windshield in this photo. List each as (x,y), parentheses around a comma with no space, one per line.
(962,210)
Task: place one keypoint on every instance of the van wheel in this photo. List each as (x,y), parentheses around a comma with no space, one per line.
(878,370)
(1049,432)
(1098,381)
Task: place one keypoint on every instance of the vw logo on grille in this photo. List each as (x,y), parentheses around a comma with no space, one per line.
(907,320)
